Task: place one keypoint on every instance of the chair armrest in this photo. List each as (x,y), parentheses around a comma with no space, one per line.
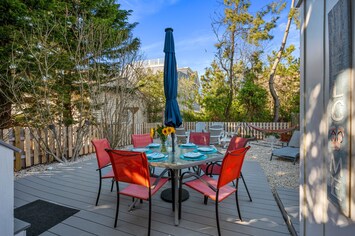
(109,164)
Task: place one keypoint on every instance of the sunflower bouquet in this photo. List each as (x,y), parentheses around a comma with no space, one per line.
(163,132)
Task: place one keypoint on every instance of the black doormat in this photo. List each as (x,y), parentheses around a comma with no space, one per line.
(43,215)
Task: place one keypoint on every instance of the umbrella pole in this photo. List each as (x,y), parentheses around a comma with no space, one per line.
(173,142)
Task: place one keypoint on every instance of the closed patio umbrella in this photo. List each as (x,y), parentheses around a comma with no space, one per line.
(172,111)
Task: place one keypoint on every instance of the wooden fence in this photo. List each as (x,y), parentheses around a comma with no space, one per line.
(33,153)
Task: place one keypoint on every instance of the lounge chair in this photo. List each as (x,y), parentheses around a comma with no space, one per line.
(216,135)
(291,151)
(200,127)
(180,134)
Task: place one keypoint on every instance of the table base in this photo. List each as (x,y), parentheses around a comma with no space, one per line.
(167,196)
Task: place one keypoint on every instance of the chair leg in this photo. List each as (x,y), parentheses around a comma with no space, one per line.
(205,199)
(217,217)
(246,187)
(150,214)
(180,196)
(98,194)
(173,189)
(237,202)
(117,206)
(113,180)
(271,157)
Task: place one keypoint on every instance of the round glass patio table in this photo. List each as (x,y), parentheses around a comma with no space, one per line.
(176,163)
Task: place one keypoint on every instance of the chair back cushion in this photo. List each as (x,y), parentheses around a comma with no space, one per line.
(295,139)
(200,127)
(236,143)
(200,138)
(141,140)
(231,166)
(102,157)
(180,131)
(130,167)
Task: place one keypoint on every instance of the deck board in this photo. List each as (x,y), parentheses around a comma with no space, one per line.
(289,200)
(76,186)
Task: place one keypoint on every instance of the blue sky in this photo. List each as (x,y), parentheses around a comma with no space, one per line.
(193,34)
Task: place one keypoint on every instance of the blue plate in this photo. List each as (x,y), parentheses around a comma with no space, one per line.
(202,157)
(146,150)
(155,155)
(153,145)
(206,150)
(188,145)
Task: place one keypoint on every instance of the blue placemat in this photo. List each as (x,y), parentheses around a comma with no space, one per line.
(156,156)
(207,152)
(202,157)
(146,150)
(153,145)
(157,159)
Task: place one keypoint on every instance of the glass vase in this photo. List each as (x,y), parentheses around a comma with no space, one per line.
(163,147)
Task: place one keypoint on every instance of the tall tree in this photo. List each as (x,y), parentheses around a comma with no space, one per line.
(214,90)
(151,85)
(286,82)
(65,51)
(272,74)
(241,30)
(11,19)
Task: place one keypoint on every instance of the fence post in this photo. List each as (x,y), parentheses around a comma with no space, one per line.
(27,147)
(18,145)
(36,146)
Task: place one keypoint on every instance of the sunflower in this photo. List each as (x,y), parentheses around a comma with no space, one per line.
(170,129)
(152,132)
(165,131)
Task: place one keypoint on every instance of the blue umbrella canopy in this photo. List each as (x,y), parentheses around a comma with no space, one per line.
(172,111)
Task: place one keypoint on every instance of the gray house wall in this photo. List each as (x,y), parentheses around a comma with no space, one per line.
(319,216)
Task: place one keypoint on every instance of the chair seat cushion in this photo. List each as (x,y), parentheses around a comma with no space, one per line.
(201,187)
(286,152)
(108,175)
(141,192)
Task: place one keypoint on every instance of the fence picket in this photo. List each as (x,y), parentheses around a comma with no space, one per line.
(35,152)
(36,147)
(27,146)
(70,141)
(18,164)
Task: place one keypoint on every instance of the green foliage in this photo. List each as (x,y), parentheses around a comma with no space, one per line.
(58,49)
(188,94)
(253,98)
(214,93)
(239,33)
(287,82)
(152,87)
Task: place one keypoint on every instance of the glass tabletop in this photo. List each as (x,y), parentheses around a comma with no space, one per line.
(187,157)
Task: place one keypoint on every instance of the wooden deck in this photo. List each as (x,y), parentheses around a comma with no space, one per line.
(76,186)
(289,202)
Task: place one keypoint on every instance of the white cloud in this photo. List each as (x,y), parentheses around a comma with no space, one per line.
(199,41)
(153,46)
(143,8)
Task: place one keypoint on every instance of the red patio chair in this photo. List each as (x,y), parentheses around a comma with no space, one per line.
(200,138)
(218,190)
(141,140)
(103,160)
(132,168)
(215,167)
